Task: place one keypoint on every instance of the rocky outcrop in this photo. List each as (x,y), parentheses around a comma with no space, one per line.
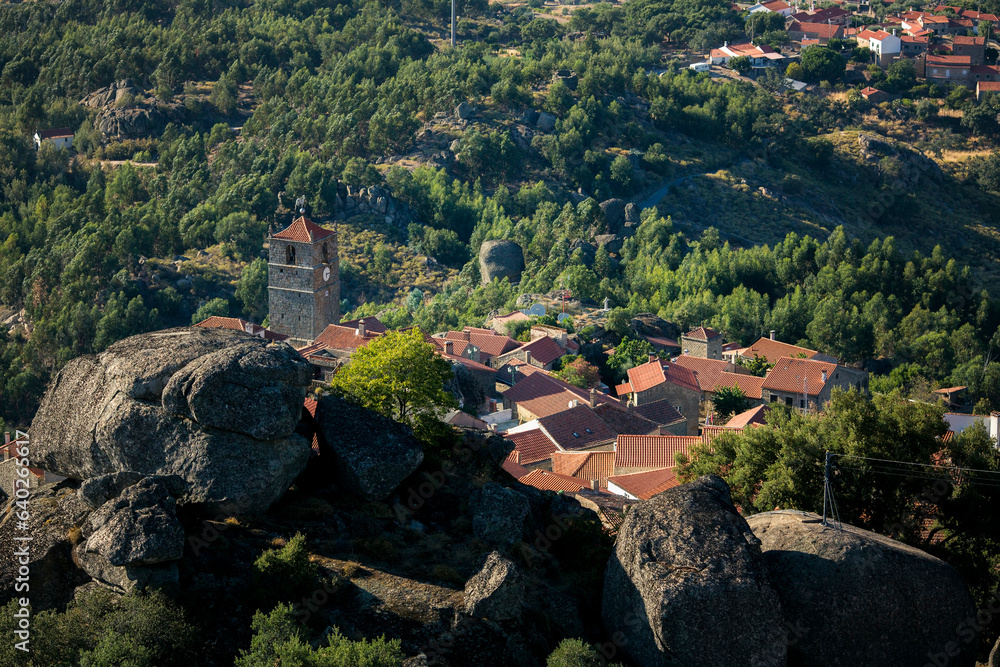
(632,217)
(369,455)
(138,407)
(498,515)
(140,118)
(650,324)
(546,122)
(495,592)
(500,259)
(587,251)
(614,214)
(896,604)
(465,111)
(687,584)
(374,200)
(568,77)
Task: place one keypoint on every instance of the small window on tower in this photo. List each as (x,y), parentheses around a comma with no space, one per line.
(326,253)
(289,254)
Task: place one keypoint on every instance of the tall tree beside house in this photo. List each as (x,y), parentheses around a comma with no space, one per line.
(741,64)
(629,354)
(729,401)
(398,375)
(579,373)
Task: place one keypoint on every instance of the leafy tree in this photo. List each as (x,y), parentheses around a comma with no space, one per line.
(398,375)
(795,71)
(822,64)
(279,640)
(241,235)
(382,263)
(629,354)
(621,173)
(216,307)
(741,64)
(758,365)
(251,289)
(575,653)
(285,574)
(728,401)
(579,373)
(223,96)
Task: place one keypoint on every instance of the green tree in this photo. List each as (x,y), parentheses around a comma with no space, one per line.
(285,574)
(758,365)
(741,64)
(241,235)
(822,64)
(729,401)
(579,373)
(382,263)
(629,354)
(251,289)
(224,96)
(216,307)
(398,375)
(621,173)
(575,653)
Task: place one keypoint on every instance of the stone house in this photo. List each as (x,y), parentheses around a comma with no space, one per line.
(660,380)
(807,384)
(702,342)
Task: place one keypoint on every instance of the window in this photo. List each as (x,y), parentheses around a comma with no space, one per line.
(326,253)
(802,403)
(774,399)
(588,430)
(788,400)
(289,254)
(575,434)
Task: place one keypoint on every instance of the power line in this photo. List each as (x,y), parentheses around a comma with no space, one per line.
(912,463)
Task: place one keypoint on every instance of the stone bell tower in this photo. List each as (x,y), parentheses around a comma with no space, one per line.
(303,280)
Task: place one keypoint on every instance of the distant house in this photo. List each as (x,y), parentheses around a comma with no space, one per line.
(490,343)
(500,322)
(540,395)
(974,47)
(834,15)
(944,69)
(984,88)
(642,453)
(238,324)
(713,374)
(702,342)
(821,32)
(955,397)
(987,73)
(662,413)
(659,380)
(770,350)
(776,6)
(643,485)
(760,56)
(959,422)
(337,342)
(884,45)
(874,95)
(807,384)
(912,47)
(591,468)
(542,352)
(60,137)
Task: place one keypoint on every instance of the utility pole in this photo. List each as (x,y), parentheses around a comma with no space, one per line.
(452,23)
(826,485)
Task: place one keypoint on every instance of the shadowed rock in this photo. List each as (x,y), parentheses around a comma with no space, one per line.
(500,259)
(495,592)
(886,602)
(687,584)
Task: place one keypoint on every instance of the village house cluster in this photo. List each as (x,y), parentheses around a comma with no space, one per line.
(947,44)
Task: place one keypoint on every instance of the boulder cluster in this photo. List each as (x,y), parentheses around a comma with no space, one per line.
(125,112)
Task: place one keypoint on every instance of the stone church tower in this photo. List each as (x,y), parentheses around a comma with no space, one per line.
(303,280)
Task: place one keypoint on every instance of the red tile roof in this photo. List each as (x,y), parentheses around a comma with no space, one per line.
(585,465)
(337,337)
(756,415)
(988,85)
(516,470)
(792,375)
(817,30)
(661,412)
(621,422)
(651,451)
(532,446)
(772,350)
(237,324)
(952,390)
(548,481)
(657,372)
(645,485)
(303,230)
(490,344)
(544,350)
(950,61)
(576,428)
(775,5)
(372,324)
(750,385)
(543,395)
(868,91)
(468,363)
(707,371)
(702,333)
(985,69)
(969,41)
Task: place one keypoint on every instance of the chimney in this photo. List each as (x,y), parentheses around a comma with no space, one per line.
(724,44)
(824,375)
(628,407)
(593,398)
(574,403)
(449,347)
(465,335)
(652,357)
(595,485)
(772,334)
(527,357)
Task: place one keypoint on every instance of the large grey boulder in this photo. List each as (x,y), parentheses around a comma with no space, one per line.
(687,584)
(139,527)
(546,122)
(888,603)
(614,213)
(500,259)
(213,406)
(498,515)
(369,455)
(495,592)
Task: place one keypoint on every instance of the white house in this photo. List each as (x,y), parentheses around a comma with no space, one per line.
(776,6)
(881,43)
(958,422)
(760,56)
(61,137)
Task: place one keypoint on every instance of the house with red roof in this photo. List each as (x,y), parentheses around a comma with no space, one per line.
(820,32)
(984,88)
(874,95)
(659,380)
(760,56)
(539,395)
(239,324)
(61,137)
(662,413)
(643,485)
(807,384)
(702,342)
(884,45)
(770,349)
(944,69)
(912,46)
(642,453)
(490,343)
(542,352)
(500,322)
(588,467)
(831,15)
(974,47)
(775,6)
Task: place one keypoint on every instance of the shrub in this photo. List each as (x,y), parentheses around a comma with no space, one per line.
(575,653)
(286,573)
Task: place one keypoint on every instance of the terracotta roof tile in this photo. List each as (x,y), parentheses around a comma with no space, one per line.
(337,337)
(750,385)
(57,133)
(661,412)
(543,349)
(645,485)
(772,350)
(516,470)
(303,230)
(238,324)
(702,333)
(793,375)
(491,344)
(817,30)
(576,428)
(621,422)
(756,415)
(708,371)
(656,372)
(532,446)
(543,395)
(585,465)
(650,451)
(548,481)
(372,324)
(950,61)
(969,41)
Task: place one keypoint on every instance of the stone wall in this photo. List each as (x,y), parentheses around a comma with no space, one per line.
(685,400)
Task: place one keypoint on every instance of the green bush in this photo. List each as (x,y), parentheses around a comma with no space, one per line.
(279,640)
(575,653)
(285,574)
